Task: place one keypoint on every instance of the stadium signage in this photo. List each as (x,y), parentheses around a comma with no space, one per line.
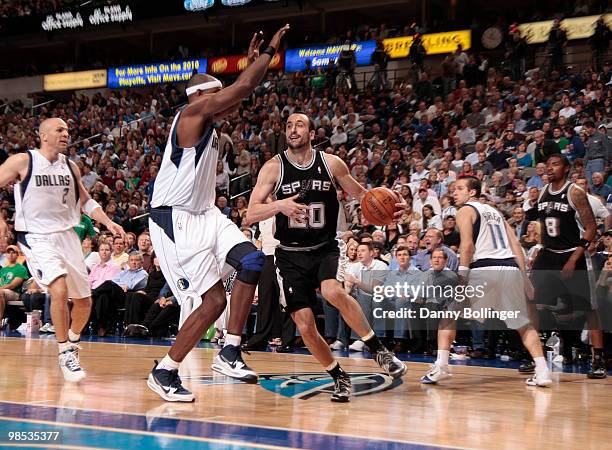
(67,20)
(75,80)
(234,64)
(150,74)
(434,43)
(575,27)
(322,55)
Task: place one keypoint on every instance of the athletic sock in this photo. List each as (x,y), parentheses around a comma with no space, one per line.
(443,356)
(540,364)
(63,346)
(232,339)
(335,371)
(73,337)
(372,341)
(598,352)
(168,364)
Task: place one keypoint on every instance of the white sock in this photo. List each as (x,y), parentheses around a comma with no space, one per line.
(540,364)
(232,339)
(168,364)
(73,337)
(331,366)
(443,357)
(63,346)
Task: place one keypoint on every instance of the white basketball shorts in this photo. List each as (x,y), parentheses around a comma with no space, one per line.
(53,255)
(192,249)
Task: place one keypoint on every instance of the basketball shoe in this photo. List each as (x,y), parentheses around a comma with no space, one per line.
(541,379)
(390,364)
(342,388)
(167,384)
(598,368)
(437,372)
(70,364)
(229,362)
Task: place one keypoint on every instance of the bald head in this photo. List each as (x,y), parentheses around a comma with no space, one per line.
(53,136)
(49,124)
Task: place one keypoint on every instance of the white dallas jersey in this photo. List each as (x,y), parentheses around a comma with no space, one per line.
(490,237)
(187,176)
(47,199)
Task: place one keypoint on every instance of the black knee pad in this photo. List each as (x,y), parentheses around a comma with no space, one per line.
(248,262)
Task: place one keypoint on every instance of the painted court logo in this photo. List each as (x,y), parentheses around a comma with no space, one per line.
(307,385)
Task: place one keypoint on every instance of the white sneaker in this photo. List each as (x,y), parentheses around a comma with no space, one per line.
(70,364)
(45,328)
(436,373)
(338,345)
(51,329)
(357,346)
(541,379)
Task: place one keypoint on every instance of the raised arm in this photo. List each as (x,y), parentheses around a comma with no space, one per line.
(211,105)
(258,209)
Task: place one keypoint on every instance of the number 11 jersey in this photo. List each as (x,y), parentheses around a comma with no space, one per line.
(490,238)
(316,188)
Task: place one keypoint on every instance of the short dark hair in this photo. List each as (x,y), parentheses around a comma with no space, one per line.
(473,183)
(402,248)
(563,159)
(589,124)
(439,250)
(367,244)
(364,235)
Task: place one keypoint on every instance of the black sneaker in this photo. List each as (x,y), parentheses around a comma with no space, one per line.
(527,367)
(598,369)
(390,364)
(342,388)
(167,384)
(229,362)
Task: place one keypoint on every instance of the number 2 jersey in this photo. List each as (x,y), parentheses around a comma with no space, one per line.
(315,185)
(560,222)
(47,199)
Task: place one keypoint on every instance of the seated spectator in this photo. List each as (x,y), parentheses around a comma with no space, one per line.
(138,303)
(105,270)
(146,250)
(111,295)
(91,257)
(433,240)
(532,236)
(12,276)
(431,219)
(451,235)
(119,256)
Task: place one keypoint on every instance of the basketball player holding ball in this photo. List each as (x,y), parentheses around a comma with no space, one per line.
(310,253)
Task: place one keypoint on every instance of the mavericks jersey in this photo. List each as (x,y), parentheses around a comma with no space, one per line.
(47,199)
(317,189)
(490,237)
(560,222)
(187,175)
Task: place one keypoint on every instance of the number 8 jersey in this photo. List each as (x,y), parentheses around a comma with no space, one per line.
(47,199)
(560,222)
(315,185)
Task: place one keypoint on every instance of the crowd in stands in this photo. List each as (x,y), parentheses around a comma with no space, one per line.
(413,138)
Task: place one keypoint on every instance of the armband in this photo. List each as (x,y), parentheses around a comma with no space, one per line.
(89,206)
(584,243)
(270,51)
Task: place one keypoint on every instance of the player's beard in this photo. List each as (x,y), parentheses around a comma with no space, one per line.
(302,144)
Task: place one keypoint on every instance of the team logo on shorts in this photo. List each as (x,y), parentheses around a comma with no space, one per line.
(39,273)
(307,385)
(182,284)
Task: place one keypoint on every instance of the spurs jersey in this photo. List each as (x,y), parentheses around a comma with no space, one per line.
(315,185)
(186,178)
(47,199)
(560,222)
(490,237)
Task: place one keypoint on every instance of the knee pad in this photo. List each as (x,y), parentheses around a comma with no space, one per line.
(248,262)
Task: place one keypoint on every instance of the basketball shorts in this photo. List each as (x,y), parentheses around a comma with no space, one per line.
(575,291)
(300,274)
(192,249)
(53,255)
(501,289)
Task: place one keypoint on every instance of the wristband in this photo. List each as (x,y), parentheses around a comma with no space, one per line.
(584,243)
(90,205)
(269,50)
(463,270)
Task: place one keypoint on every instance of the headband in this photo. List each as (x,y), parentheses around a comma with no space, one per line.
(203,87)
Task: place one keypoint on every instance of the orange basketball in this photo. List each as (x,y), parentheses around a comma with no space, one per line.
(378,206)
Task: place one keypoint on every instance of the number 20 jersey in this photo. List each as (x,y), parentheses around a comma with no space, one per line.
(561,228)
(315,185)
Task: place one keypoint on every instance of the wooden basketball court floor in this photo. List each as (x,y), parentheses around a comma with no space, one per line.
(480,407)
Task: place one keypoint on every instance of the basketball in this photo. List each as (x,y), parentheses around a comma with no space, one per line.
(378,206)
